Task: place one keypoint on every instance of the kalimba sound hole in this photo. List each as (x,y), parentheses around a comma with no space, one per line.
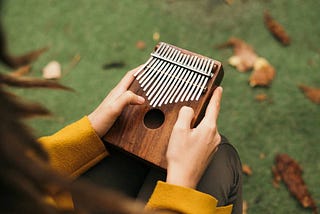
(153,119)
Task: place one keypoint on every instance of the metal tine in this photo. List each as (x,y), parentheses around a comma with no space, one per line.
(186,83)
(210,65)
(171,77)
(198,88)
(153,72)
(172,84)
(183,81)
(196,82)
(179,78)
(147,67)
(190,85)
(149,60)
(163,77)
(156,62)
(155,79)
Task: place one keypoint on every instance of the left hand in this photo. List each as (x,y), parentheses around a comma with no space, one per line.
(103,117)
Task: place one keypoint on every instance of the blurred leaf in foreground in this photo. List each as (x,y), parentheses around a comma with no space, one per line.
(288,170)
(263,73)
(312,94)
(244,55)
(276,29)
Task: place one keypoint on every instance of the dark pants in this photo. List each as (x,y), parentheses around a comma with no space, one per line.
(222,179)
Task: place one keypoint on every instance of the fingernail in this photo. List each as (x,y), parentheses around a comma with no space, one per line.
(140,100)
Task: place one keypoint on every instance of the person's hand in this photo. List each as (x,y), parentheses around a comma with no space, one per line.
(190,149)
(103,117)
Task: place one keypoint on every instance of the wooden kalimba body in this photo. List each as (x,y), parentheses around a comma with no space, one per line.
(171,78)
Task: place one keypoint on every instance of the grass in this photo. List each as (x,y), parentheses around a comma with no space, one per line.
(106,31)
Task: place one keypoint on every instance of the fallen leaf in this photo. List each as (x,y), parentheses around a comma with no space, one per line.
(288,170)
(21,71)
(52,70)
(156,36)
(141,45)
(262,156)
(246,169)
(311,93)
(276,29)
(261,97)
(244,207)
(243,57)
(116,64)
(263,73)
(229,2)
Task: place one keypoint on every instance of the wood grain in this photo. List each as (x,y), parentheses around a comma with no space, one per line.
(130,133)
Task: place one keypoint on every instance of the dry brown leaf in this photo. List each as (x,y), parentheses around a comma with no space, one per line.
(246,169)
(262,156)
(52,70)
(243,54)
(261,97)
(311,93)
(141,45)
(276,29)
(263,73)
(21,71)
(288,170)
(115,64)
(156,36)
(229,2)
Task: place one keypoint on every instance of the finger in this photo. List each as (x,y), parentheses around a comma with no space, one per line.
(126,99)
(185,117)
(213,107)
(126,81)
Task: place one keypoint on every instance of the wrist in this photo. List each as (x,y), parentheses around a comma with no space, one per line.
(178,176)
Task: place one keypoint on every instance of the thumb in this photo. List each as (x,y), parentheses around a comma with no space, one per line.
(128,98)
(185,117)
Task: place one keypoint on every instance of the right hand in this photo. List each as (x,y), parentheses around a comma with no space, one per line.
(190,149)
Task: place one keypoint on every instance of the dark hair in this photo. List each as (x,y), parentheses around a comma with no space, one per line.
(26,178)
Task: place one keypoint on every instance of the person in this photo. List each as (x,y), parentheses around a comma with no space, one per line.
(203,173)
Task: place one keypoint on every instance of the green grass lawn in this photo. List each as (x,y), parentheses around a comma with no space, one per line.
(106,31)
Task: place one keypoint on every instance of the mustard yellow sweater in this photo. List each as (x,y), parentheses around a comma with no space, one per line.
(76,148)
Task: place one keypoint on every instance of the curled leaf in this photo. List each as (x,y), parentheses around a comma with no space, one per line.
(263,73)
(312,94)
(276,29)
(288,170)
(243,54)
(52,70)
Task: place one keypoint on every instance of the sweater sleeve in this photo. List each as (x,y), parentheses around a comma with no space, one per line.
(184,200)
(74,149)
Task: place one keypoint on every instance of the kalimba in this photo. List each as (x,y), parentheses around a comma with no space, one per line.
(171,78)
